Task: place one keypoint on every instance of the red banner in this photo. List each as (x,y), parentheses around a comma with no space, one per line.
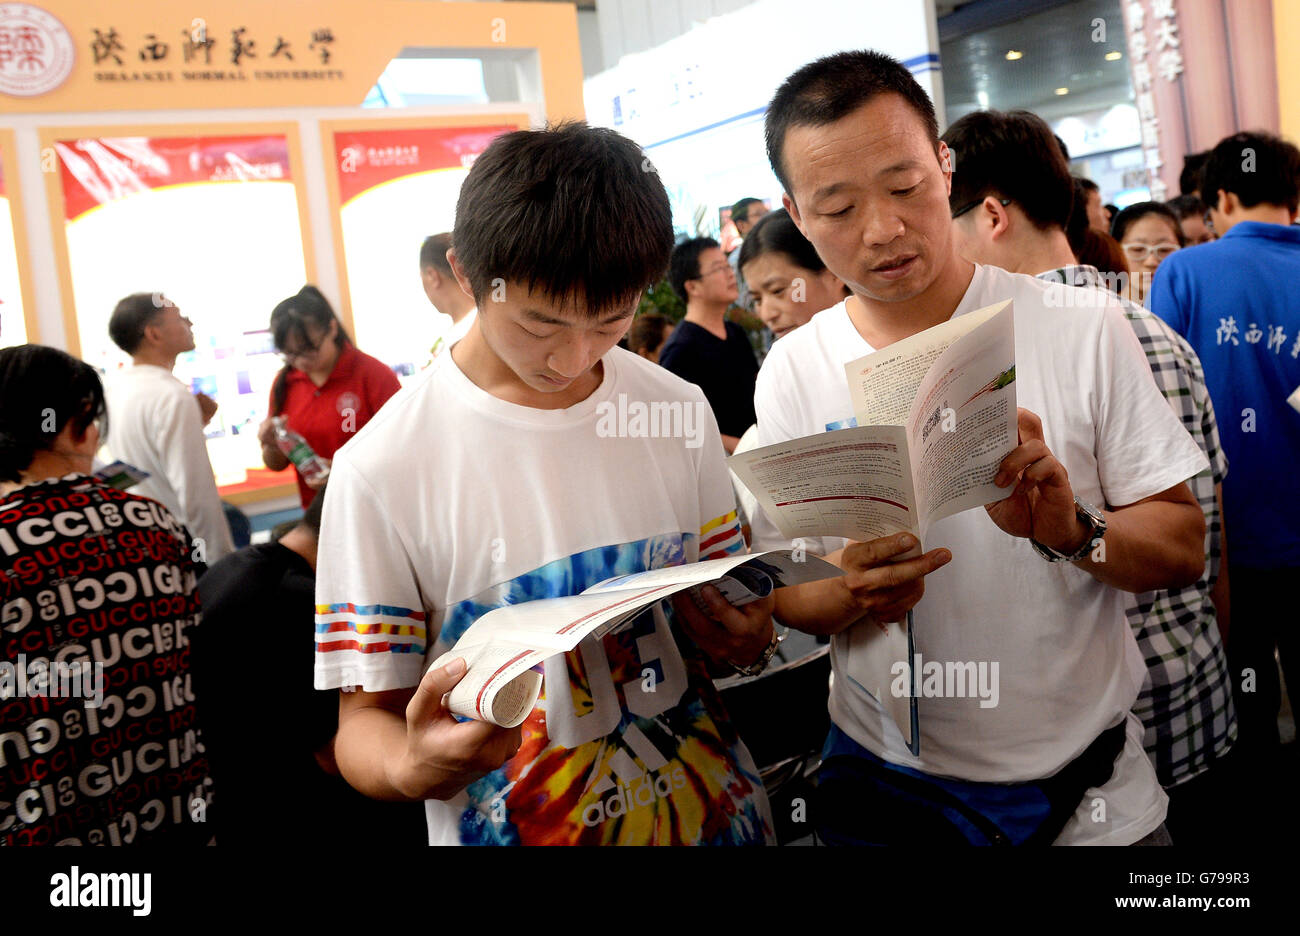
(366,158)
(97,171)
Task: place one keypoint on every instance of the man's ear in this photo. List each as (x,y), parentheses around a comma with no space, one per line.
(947,163)
(995,215)
(1223,203)
(793,211)
(431,276)
(459,272)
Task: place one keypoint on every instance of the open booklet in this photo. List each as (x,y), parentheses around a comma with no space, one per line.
(505,648)
(936,414)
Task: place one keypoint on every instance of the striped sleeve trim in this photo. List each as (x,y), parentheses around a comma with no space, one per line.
(369,629)
(721,537)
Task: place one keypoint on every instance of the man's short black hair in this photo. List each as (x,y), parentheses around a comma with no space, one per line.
(685,262)
(574,212)
(1013,155)
(1133,213)
(1189,180)
(831,88)
(1088,185)
(740,210)
(1259,168)
(433,252)
(1187,206)
(131,316)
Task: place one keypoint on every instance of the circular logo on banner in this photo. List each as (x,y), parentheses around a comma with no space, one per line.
(348,401)
(36,51)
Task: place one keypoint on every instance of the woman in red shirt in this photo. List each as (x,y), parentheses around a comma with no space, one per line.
(327,388)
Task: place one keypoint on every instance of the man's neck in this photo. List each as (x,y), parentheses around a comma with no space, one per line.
(47,465)
(1263,213)
(883,323)
(708,315)
(489,373)
(301,541)
(155,357)
(1040,252)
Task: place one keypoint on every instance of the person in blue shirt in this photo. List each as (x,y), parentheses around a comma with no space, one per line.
(1235,302)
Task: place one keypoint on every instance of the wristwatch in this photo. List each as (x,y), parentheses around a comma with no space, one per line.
(760,664)
(1093,518)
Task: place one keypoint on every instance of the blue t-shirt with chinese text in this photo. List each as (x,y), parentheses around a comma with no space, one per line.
(1236,303)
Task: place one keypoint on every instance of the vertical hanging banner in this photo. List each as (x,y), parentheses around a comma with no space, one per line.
(13,325)
(213,224)
(1156,61)
(396,186)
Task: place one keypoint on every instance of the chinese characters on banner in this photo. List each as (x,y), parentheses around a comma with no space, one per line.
(396,187)
(1155,55)
(211,222)
(201,52)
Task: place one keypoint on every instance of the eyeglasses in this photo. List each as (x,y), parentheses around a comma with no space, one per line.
(979,201)
(716,268)
(1140,252)
(1209,222)
(290,356)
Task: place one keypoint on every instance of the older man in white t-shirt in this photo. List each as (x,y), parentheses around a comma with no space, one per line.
(1101,458)
(155,424)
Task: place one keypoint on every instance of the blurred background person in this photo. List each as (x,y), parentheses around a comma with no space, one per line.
(1189,179)
(1093,209)
(1149,232)
(158,425)
(1094,248)
(1191,218)
(789,282)
(706,349)
(123,561)
(327,389)
(444,292)
(647,335)
(1234,301)
(744,215)
(278,784)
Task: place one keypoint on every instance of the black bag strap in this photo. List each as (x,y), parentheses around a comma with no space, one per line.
(1065,788)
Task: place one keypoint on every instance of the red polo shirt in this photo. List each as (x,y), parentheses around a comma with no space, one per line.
(329,415)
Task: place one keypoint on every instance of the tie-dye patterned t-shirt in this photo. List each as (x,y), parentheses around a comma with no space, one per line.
(451,502)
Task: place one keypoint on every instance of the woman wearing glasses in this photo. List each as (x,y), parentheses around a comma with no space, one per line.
(1148,232)
(327,389)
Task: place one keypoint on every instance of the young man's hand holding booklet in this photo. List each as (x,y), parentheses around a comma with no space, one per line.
(936,414)
(504,649)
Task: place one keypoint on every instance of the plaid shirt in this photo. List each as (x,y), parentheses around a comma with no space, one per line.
(1186,702)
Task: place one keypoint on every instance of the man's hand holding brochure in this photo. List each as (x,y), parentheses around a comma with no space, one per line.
(936,415)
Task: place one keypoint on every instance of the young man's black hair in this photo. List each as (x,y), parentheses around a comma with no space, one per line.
(433,252)
(1013,155)
(131,316)
(740,210)
(1187,206)
(35,383)
(685,262)
(1189,180)
(1133,213)
(549,210)
(1259,168)
(831,88)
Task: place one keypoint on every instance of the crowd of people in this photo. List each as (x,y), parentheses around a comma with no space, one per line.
(1156,349)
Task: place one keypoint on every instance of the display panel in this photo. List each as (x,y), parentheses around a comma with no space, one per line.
(396,186)
(211,222)
(13,318)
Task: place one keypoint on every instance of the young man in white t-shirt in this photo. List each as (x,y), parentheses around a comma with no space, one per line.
(854,140)
(499,477)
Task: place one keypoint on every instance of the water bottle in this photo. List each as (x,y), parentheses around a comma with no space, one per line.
(295,448)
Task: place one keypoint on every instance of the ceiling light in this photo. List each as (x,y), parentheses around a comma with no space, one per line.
(1012,55)
(1114,56)
(1062,90)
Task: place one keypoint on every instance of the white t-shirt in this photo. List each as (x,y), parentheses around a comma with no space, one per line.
(154,423)
(454,333)
(1068,665)
(451,502)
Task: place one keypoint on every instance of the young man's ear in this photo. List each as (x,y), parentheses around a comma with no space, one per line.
(458,271)
(793,211)
(995,217)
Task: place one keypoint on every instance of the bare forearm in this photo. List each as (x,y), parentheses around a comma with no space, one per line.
(822,608)
(1150,546)
(368,749)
